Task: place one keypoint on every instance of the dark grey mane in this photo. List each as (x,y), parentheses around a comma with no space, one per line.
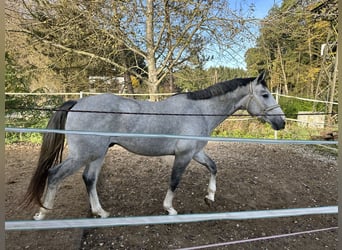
(220,88)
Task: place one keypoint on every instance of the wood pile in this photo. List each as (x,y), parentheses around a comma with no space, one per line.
(326,136)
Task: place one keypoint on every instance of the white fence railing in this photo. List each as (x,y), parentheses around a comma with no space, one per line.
(85,93)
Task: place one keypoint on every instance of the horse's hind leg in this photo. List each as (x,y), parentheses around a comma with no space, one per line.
(90,176)
(179,165)
(205,160)
(56,175)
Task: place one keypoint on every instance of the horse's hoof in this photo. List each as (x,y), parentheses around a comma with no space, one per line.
(104,214)
(210,196)
(172,211)
(39,216)
(209,202)
(101,214)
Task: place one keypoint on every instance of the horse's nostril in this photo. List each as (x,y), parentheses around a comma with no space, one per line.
(282,125)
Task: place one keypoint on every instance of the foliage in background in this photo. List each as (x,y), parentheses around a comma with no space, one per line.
(190,79)
(148,39)
(20,110)
(290,47)
(56,45)
(255,129)
(291,107)
(15,81)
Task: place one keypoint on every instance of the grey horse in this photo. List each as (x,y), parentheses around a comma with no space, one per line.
(195,113)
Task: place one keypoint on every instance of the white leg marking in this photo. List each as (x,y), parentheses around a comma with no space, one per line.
(48,203)
(211,188)
(168,202)
(96,208)
(41,214)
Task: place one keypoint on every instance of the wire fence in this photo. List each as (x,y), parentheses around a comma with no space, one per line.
(82,94)
(238,124)
(272,237)
(170,136)
(148,220)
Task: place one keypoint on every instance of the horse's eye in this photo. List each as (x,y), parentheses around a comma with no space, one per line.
(265,96)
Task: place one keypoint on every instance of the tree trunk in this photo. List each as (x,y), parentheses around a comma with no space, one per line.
(151,61)
(153,90)
(128,82)
(322,71)
(312,88)
(169,42)
(332,87)
(286,90)
(171,82)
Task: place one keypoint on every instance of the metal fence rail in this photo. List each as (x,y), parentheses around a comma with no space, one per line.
(169,136)
(165,219)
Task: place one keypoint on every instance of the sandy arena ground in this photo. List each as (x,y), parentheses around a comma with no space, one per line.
(250,177)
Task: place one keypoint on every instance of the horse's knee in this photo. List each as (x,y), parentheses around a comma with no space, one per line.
(89,181)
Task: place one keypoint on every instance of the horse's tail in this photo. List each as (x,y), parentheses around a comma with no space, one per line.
(50,155)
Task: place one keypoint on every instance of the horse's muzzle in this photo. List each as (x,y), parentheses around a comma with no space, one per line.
(278,124)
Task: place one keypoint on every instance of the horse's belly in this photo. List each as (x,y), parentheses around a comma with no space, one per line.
(148,146)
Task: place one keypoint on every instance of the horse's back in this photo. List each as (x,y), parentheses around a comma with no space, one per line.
(112,113)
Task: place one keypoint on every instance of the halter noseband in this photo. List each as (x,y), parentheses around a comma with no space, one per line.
(252,96)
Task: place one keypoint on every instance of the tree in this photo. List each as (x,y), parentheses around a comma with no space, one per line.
(190,79)
(160,36)
(289,46)
(31,63)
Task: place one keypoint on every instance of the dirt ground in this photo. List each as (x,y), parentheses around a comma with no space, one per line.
(250,177)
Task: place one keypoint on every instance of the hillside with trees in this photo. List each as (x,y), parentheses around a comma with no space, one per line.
(298,45)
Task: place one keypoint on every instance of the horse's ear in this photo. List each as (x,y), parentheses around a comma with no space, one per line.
(262,76)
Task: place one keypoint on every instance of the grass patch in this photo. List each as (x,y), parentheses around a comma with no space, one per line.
(252,128)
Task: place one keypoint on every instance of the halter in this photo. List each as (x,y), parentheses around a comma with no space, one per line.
(252,96)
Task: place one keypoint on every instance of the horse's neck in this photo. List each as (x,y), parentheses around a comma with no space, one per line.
(223,106)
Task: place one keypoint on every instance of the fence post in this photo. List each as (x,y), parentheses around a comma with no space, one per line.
(81,94)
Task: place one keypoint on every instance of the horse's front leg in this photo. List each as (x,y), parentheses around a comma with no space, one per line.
(179,165)
(167,204)
(205,160)
(211,188)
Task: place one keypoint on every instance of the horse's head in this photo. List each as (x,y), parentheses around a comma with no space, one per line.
(260,103)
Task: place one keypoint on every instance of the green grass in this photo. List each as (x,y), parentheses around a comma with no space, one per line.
(14,137)
(256,129)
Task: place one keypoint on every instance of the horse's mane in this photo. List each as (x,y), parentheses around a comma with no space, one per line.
(220,88)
